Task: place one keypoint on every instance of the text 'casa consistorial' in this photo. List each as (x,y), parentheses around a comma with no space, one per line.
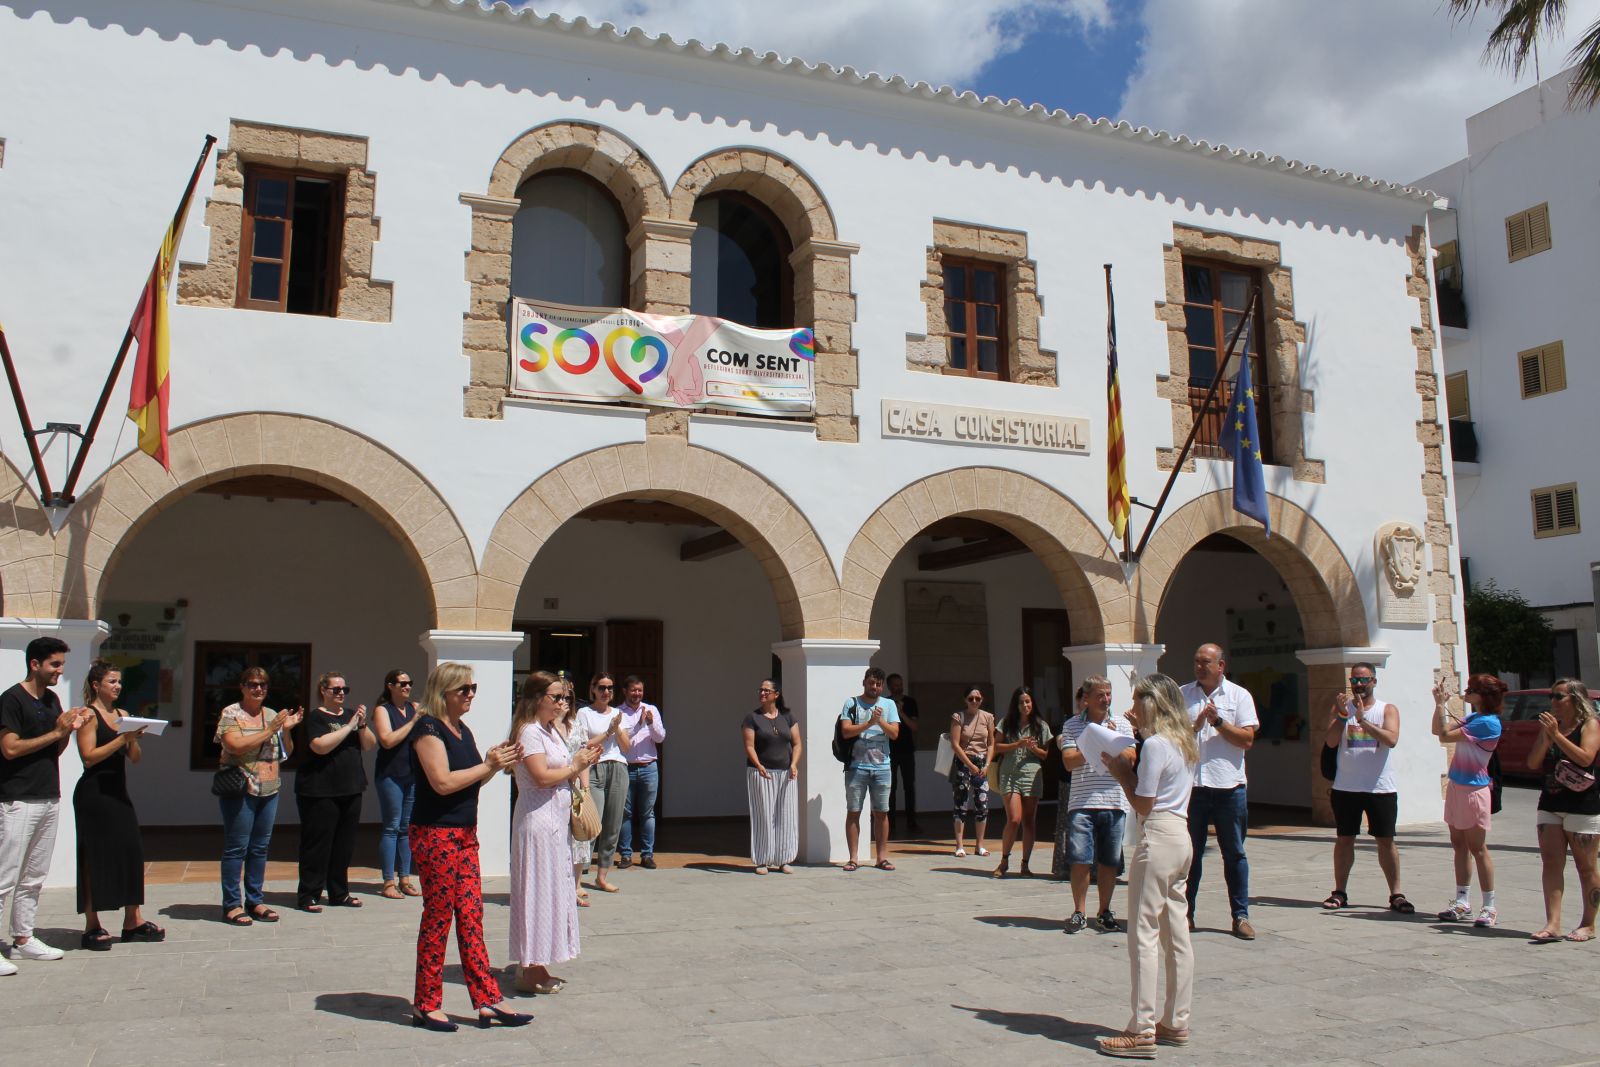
(984,426)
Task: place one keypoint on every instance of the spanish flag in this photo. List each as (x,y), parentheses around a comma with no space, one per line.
(148,399)
(1118,503)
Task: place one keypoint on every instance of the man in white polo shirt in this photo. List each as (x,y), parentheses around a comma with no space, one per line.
(1225,722)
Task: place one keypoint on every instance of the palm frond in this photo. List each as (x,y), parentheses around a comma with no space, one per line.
(1584,92)
(1515,37)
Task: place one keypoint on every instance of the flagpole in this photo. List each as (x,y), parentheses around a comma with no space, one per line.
(127,337)
(27,422)
(1194,428)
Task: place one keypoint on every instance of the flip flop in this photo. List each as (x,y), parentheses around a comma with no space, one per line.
(1545,939)
(884,865)
(1575,937)
(851,866)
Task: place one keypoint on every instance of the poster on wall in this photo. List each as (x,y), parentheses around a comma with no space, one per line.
(146,645)
(613,355)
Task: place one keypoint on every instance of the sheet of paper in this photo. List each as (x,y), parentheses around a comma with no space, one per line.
(151,727)
(1097,739)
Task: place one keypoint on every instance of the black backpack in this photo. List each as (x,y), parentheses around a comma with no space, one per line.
(843,746)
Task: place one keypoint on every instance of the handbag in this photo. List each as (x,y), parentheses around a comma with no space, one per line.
(1570,776)
(585,820)
(230,782)
(943,756)
(1330,762)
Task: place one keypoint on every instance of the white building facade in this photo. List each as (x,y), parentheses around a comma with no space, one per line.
(354,485)
(1518,256)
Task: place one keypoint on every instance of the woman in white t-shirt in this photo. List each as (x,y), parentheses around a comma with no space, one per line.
(1158,931)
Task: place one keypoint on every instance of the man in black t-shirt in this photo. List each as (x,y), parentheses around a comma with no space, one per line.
(903,754)
(34,731)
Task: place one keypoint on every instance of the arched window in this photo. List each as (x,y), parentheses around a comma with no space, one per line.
(740,263)
(569,242)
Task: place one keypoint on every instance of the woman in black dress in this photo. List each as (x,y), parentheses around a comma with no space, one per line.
(328,789)
(110,853)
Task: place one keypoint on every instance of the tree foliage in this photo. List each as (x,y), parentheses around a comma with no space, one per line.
(1505,635)
(1514,41)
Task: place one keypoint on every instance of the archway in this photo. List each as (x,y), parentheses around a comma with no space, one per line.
(27,565)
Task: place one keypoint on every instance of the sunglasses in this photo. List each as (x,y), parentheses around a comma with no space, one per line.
(974,698)
(339,690)
(764,689)
(1362,681)
(255,685)
(562,699)
(406,684)
(605,688)
(466,690)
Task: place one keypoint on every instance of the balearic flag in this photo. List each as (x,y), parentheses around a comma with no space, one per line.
(148,399)
(1117,500)
(1240,440)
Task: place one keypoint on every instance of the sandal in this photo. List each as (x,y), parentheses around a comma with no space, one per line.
(1000,871)
(237,917)
(262,913)
(391,891)
(309,905)
(851,866)
(761,870)
(1400,905)
(983,851)
(409,888)
(1545,937)
(98,940)
(1340,899)
(346,902)
(1024,872)
(583,902)
(147,932)
(1575,936)
(884,865)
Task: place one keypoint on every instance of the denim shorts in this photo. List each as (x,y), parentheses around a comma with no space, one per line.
(860,780)
(1094,835)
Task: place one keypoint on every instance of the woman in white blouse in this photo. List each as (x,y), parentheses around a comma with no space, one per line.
(1157,787)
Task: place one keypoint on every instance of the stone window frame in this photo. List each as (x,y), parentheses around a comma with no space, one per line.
(1026,362)
(1280,349)
(215,283)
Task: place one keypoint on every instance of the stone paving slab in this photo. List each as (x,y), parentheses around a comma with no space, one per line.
(936,963)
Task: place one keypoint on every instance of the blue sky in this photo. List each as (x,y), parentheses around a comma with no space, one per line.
(1380,87)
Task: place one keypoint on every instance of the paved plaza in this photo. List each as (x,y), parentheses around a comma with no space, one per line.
(936,963)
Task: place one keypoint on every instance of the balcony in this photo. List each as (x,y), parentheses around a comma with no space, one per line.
(1463,441)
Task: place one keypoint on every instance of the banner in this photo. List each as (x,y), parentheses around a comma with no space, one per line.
(607,355)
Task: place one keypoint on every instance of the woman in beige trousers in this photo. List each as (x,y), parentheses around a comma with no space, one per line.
(1157,787)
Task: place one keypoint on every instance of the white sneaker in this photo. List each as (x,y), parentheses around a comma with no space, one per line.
(1487,917)
(7,968)
(34,949)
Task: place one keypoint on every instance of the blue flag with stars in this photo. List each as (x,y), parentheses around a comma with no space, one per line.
(1240,439)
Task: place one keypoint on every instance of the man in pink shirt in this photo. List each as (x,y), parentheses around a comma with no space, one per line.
(643,725)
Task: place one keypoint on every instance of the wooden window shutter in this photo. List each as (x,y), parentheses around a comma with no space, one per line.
(1555,510)
(1530,366)
(1516,237)
(1566,508)
(1553,367)
(1544,512)
(1539,229)
(1457,400)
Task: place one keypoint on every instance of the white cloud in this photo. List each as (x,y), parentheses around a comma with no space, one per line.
(939,41)
(1380,87)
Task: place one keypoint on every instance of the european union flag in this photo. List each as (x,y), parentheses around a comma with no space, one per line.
(1240,439)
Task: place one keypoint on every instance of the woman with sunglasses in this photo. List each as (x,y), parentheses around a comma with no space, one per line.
(1467,797)
(1569,805)
(327,790)
(544,912)
(393,719)
(444,842)
(255,739)
(972,737)
(772,764)
(608,780)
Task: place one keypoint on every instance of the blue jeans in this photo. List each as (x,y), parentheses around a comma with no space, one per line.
(644,779)
(394,842)
(246,834)
(1227,809)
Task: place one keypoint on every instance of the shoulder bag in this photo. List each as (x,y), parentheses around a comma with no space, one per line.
(230,782)
(585,819)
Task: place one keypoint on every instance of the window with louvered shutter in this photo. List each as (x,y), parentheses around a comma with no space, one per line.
(1457,400)
(1555,510)
(1543,370)
(1528,232)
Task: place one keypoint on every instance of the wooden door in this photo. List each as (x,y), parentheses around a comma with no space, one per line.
(634,646)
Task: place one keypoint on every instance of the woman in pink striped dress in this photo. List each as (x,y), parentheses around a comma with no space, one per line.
(544,911)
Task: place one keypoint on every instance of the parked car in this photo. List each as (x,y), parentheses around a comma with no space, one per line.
(1519,719)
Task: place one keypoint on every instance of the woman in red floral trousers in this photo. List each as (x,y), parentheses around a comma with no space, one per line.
(444,843)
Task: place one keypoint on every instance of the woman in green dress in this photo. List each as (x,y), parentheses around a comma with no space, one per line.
(1023,745)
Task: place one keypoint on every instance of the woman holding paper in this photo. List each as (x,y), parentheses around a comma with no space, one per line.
(972,739)
(1158,931)
(110,852)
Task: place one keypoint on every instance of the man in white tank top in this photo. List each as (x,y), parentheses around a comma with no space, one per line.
(1364,732)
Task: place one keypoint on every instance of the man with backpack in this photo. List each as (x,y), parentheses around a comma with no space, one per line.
(862,736)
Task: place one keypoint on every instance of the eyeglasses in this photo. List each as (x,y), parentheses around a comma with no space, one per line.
(338,690)
(765,689)
(255,685)
(466,690)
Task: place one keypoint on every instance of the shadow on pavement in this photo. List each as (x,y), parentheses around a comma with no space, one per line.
(370,1007)
(720,868)
(1036,1024)
(1020,922)
(1285,902)
(1403,840)
(973,872)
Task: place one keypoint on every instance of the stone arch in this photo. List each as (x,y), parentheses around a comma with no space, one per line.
(1319,577)
(823,296)
(124,499)
(606,156)
(1071,547)
(27,549)
(768,177)
(668,468)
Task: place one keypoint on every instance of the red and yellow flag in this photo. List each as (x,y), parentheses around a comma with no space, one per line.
(1118,503)
(148,399)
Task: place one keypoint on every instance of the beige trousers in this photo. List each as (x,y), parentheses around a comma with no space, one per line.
(1158,929)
